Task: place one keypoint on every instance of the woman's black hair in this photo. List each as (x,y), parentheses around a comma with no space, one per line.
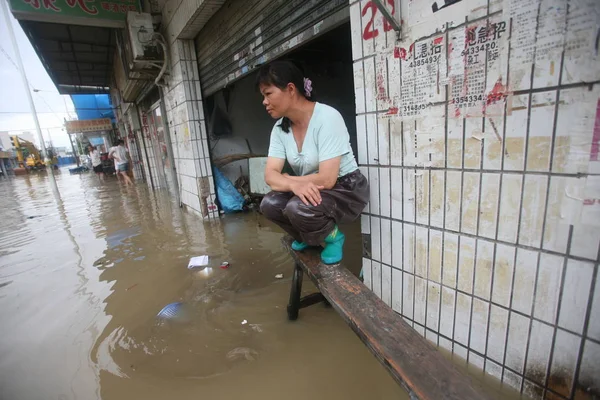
(280,74)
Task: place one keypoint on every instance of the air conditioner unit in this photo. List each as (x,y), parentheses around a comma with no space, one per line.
(142,47)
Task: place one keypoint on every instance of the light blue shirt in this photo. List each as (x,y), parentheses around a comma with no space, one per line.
(326,138)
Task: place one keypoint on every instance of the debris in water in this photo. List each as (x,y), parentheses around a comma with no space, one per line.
(131,287)
(256,328)
(279,276)
(242,353)
(170,311)
(199,261)
(244,322)
(224,265)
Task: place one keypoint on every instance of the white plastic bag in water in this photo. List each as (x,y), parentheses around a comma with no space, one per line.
(198,261)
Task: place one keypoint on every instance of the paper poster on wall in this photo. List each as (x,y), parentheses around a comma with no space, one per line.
(420,11)
(542,30)
(424,72)
(477,68)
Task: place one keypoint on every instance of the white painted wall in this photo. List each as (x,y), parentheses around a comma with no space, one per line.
(482,157)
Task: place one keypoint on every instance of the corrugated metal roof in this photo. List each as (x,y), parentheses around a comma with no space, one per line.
(77,58)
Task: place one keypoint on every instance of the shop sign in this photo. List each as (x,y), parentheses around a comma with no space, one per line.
(88,125)
(104,12)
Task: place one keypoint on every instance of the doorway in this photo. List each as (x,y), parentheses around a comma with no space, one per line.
(162,161)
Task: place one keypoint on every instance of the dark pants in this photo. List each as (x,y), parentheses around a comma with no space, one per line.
(311,224)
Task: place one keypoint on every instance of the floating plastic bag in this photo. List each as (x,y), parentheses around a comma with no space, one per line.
(199,261)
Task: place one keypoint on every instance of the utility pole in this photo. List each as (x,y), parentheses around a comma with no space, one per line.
(50,138)
(11,33)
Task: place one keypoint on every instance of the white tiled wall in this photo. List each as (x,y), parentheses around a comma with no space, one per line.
(484,224)
(185,116)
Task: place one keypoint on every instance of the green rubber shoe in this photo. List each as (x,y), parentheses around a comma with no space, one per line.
(298,246)
(334,244)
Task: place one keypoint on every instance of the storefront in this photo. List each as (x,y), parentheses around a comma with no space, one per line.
(158,147)
(315,35)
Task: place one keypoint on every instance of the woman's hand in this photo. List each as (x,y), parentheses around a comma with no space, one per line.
(308,192)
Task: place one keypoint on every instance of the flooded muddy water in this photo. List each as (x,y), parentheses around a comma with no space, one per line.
(82,279)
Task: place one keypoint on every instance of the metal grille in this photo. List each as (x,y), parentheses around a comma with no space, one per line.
(243,35)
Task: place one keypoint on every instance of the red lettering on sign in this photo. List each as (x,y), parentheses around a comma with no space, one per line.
(49,5)
(370,32)
(400,52)
(595,149)
(105,6)
(114,7)
(499,92)
(81,3)
(381,92)
(123,8)
(131,7)
(34,3)
(386,25)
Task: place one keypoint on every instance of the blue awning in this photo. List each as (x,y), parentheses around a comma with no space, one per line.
(93,106)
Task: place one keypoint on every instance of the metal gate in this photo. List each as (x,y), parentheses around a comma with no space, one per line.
(245,34)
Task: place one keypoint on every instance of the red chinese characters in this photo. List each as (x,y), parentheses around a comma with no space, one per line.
(47,4)
(82,4)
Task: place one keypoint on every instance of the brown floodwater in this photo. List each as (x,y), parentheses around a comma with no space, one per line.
(83,276)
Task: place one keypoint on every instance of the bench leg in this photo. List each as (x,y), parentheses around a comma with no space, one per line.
(294,304)
(311,299)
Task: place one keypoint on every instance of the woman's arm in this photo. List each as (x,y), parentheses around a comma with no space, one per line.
(306,190)
(326,177)
(273,176)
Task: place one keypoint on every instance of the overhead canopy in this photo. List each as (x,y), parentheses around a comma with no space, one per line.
(92,106)
(77,58)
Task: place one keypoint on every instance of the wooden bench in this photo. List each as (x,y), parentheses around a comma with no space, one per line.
(411,360)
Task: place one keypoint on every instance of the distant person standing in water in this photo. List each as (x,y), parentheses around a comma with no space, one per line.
(121,156)
(329,189)
(96,162)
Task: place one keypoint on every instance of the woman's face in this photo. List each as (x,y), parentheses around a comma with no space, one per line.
(277,101)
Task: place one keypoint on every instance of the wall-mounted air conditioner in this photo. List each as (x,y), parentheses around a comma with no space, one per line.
(141,38)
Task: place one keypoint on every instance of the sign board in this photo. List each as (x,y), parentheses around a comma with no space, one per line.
(104,13)
(88,125)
